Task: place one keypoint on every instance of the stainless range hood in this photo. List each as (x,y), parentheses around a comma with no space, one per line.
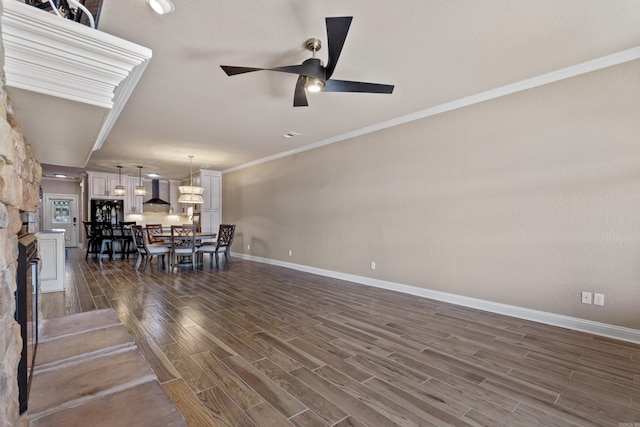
(155,203)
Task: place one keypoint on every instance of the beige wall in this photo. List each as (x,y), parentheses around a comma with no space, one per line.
(525,200)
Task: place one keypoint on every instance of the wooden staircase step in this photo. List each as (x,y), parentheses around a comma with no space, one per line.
(145,405)
(84,322)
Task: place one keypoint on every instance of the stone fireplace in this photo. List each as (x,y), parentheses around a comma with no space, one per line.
(20,175)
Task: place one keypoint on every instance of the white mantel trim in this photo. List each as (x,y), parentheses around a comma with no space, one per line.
(574,323)
(62,58)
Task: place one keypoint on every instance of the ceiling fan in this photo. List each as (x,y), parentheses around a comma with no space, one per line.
(312,74)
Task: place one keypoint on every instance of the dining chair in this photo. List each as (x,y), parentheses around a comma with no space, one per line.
(222,244)
(93,238)
(183,245)
(126,238)
(105,233)
(146,251)
(152,231)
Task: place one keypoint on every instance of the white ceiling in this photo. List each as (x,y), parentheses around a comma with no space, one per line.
(433,51)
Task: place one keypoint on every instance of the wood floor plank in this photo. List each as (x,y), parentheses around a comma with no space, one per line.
(387,368)
(347,402)
(567,386)
(269,390)
(486,404)
(189,370)
(329,359)
(267,351)
(265,415)
(195,414)
(450,415)
(299,356)
(308,419)
(553,418)
(322,407)
(223,410)
(211,342)
(378,402)
(350,422)
(239,391)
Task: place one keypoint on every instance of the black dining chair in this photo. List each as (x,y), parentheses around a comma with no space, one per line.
(93,238)
(126,238)
(222,244)
(105,233)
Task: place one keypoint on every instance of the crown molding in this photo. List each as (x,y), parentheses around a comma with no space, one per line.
(46,54)
(606,61)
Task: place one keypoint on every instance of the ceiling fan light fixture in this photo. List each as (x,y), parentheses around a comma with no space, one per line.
(161,7)
(313,84)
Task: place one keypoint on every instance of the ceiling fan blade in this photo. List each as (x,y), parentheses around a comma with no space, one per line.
(337,29)
(233,70)
(300,96)
(347,86)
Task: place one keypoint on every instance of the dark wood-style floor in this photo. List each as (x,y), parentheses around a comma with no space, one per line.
(259,345)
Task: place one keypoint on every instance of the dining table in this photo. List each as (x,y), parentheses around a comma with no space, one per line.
(200,236)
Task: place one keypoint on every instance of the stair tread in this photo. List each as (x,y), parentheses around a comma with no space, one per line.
(82,343)
(55,389)
(140,406)
(81,322)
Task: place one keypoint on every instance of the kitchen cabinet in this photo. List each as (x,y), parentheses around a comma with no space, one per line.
(52,253)
(211,182)
(210,210)
(98,185)
(132,203)
(174,193)
(210,221)
(102,185)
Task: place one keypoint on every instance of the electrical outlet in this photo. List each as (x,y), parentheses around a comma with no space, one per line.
(373,265)
(598,299)
(290,252)
(248,247)
(587,297)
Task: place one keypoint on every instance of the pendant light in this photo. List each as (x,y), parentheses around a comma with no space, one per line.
(140,191)
(189,193)
(119,190)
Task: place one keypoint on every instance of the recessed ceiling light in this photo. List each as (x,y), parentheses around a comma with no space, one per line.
(152,175)
(60,175)
(290,134)
(161,7)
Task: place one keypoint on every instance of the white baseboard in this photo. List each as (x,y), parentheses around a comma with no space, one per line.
(597,328)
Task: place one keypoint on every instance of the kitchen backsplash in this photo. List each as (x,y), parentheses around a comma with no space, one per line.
(158,218)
